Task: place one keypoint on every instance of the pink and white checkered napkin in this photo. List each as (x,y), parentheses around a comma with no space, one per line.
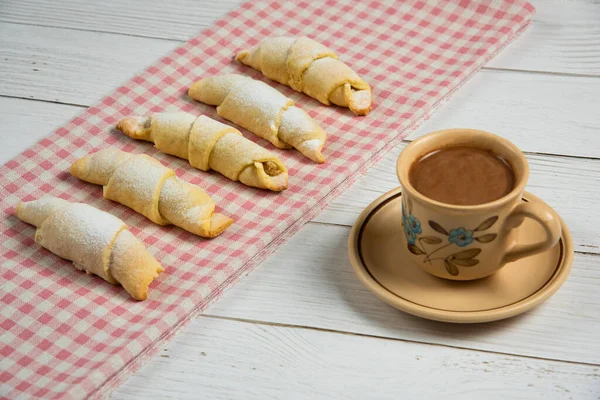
(67,334)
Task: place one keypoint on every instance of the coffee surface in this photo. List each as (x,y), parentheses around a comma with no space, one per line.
(462,176)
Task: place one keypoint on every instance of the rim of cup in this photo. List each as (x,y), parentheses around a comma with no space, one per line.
(469,138)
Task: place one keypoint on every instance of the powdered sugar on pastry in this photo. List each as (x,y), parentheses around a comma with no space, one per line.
(86,236)
(302,132)
(215,90)
(145,185)
(262,110)
(137,183)
(36,212)
(209,144)
(257,107)
(308,66)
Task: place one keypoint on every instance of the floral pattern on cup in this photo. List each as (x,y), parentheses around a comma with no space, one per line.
(412,227)
(460,237)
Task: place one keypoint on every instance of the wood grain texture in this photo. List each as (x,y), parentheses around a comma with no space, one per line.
(564,36)
(24,122)
(541,113)
(570,185)
(220,359)
(176,20)
(538,112)
(70,66)
(309,282)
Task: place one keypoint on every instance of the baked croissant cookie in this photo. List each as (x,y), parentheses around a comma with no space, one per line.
(97,242)
(308,66)
(143,184)
(209,144)
(258,107)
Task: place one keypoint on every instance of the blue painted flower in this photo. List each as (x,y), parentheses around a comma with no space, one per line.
(410,237)
(412,227)
(461,237)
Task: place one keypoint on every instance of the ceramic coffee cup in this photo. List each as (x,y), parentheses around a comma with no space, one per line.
(469,242)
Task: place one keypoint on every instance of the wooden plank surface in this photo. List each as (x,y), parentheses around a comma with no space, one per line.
(285,280)
(177,21)
(540,113)
(564,36)
(24,122)
(68,66)
(570,185)
(219,359)
(308,281)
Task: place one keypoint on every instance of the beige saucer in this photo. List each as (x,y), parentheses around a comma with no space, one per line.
(383,265)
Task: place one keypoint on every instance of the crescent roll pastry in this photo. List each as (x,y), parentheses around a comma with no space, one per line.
(308,66)
(97,242)
(143,184)
(209,144)
(258,107)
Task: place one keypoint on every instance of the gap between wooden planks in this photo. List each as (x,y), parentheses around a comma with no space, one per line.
(555,146)
(310,283)
(547,112)
(563,36)
(257,362)
(570,185)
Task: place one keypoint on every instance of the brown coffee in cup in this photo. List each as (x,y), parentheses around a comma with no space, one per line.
(462,175)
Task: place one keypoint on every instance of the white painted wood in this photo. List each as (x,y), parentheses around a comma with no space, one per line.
(541,113)
(24,122)
(309,282)
(220,359)
(70,66)
(538,112)
(564,36)
(570,185)
(176,20)
(294,280)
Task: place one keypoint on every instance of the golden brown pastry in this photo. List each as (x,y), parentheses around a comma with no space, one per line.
(308,66)
(97,242)
(258,107)
(209,144)
(142,183)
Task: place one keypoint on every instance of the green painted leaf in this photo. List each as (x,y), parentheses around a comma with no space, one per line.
(415,250)
(431,240)
(465,254)
(451,268)
(486,238)
(437,227)
(486,224)
(466,263)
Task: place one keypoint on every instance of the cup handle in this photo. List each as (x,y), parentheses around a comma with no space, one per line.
(545,216)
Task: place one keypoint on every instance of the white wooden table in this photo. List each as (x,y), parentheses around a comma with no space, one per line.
(301,325)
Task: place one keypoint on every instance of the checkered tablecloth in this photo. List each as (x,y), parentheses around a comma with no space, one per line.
(67,334)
